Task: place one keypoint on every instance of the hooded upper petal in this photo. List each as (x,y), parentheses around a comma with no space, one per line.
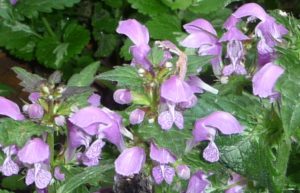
(161,155)
(176,90)
(250,9)
(34,151)
(130,161)
(233,34)
(197,183)
(230,22)
(223,121)
(10,109)
(136,32)
(196,40)
(265,79)
(200,25)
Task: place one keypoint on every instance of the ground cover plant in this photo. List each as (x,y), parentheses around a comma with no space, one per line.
(209,106)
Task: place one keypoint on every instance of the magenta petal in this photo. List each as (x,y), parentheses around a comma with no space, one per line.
(13,2)
(34,151)
(202,133)
(230,22)
(42,178)
(176,90)
(58,174)
(211,152)
(122,96)
(95,149)
(179,120)
(161,155)
(34,97)
(88,116)
(196,40)
(10,109)
(140,54)
(130,161)
(251,9)
(137,32)
(35,111)
(183,171)
(9,167)
(60,120)
(197,183)
(165,120)
(265,79)
(238,183)
(200,25)
(157,174)
(223,121)
(233,34)
(136,116)
(29,179)
(94,100)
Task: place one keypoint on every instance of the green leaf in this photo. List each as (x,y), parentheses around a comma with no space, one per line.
(15,182)
(5,90)
(90,174)
(18,132)
(31,8)
(164,27)
(151,7)
(5,191)
(176,138)
(124,52)
(85,77)
(18,39)
(195,63)
(208,6)
(125,76)
(79,100)
(107,43)
(30,82)
(239,152)
(178,4)
(156,55)
(53,53)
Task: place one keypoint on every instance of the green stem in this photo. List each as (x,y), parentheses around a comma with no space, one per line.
(50,141)
(48,27)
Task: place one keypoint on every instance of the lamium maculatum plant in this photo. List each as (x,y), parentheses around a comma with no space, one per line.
(215,111)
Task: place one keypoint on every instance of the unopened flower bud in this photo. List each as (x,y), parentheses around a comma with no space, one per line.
(136,116)
(58,174)
(25,108)
(183,171)
(60,120)
(35,111)
(45,89)
(122,96)
(141,72)
(169,65)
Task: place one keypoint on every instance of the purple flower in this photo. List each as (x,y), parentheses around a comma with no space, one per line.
(94,100)
(203,36)
(163,172)
(161,155)
(199,86)
(136,116)
(122,96)
(166,119)
(58,174)
(91,156)
(10,109)
(35,111)
(235,51)
(9,166)
(130,161)
(176,90)
(34,151)
(238,183)
(139,35)
(264,80)
(183,171)
(13,2)
(34,97)
(39,175)
(205,129)
(198,183)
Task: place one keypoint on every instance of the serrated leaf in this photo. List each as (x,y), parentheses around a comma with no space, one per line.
(208,6)
(79,100)
(107,43)
(85,77)
(31,8)
(196,63)
(124,52)
(156,56)
(53,53)
(30,82)
(55,77)
(125,76)
(5,191)
(164,27)
(17,40)
(18,132)
(176,138)
(90,174)
(151,7)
